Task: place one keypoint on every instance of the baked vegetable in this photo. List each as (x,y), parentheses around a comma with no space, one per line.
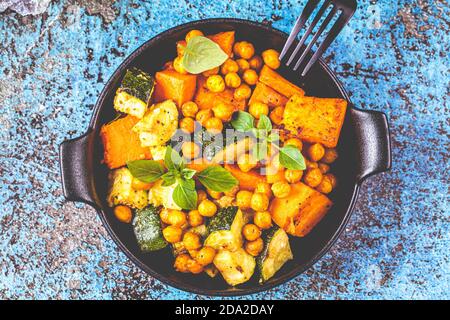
(134,93)
(247,180)
(160,195)
(174,86)
(275,254)
(147,229)
(121,144)
(206,99)
(225,40)
(122,192)
(315,119)
(265,94)
(301,210)
(225,229)
(236,267)
(274,80)
(158,125)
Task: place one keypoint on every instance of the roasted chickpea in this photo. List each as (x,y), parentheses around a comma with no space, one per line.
(313,177)
(325,186)
(243,199)
(213,125)
(246,162)
(259,202)
(215,83)
(311,164)
(123,214)
(263,219)
(223,111)
(251,232)
(293,176)
(207,208)
(214,194)
(205,256)
(271,58)
(164,215)
(264,187)
(189,109)
(242,92)
(187,125)
(190,150)
(232,192)
(203,115)
(315,152)
(178,65)
(244,49)
(281,189)
(211,72)
(181,262)
(277,115)
(232,80)
(194,267)
(256,63)
(193,33)
(295,142)
(256,109)
(330,155)
(193,253)
(333,179)
(250,77)
(140,185)
(191,241)
(195,219)
(324,168)
(243,65)
(172,234)
(176,218)
(201,195)
(229,66)
(255,247)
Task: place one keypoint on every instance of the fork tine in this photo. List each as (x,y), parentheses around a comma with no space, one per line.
(334,31)
(308,31)
(309,8)
(316,36)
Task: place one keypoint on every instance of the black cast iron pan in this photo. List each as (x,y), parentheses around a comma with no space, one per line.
(364,149)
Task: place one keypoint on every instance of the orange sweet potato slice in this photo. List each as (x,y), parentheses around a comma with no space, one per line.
(301,210)
(274,80)
(206,99)
(265,94)
(247,180)
(225,40)
(174,86)
(121,144)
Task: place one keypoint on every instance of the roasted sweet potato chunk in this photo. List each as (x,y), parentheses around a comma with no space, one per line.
(274,80)
(206,99)
(121,144)
(247,180)
(225,40)
(267,95)
(315,119)
(174,86)
(301,211)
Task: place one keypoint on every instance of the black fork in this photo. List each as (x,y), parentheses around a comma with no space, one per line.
(343,8)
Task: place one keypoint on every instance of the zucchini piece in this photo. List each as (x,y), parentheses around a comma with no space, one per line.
(147,229)
(134,93)
(225,229)
(236,267)
(275,254)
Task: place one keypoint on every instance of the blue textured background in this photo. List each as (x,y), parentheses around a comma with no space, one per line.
(392,57)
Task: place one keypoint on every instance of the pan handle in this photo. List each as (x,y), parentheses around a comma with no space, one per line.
(373,142)
(76,169)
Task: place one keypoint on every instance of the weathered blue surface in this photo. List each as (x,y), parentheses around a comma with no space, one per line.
(393,57)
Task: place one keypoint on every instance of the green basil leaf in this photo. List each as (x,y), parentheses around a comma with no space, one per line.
(146,170)
(188,173)
(291,158)
(259,152)
(264,123)
(184,194)
(242,121)
(217,179)
(173,160)
(202,54)
(169,178)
